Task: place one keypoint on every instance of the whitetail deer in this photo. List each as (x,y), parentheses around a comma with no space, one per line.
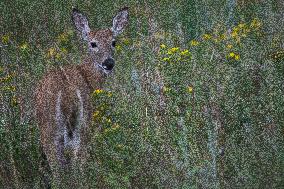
(63,96)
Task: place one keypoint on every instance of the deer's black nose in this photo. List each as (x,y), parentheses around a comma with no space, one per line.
(108,64)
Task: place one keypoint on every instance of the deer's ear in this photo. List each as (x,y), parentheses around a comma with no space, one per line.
(120,21)
(81,23)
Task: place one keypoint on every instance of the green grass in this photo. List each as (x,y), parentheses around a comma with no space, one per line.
(204,119)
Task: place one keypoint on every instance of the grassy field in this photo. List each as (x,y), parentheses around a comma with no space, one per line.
(196,101)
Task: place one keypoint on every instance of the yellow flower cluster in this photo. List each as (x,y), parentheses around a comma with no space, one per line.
(228,40)
(185,53)
(242,29)
(24,46)
(101,91)
(14,101)
(190,89)
(114,127)
(172,50)
(255,23)
(166,59)
(166,89)
(65,36)
(100,115)
(98,91)
(51,52)
(7,78)
(229,46)
(163,46)
(206,36)
(59,50)
(125,41)
(194,43)
(174,54)
(57,54)
(233,55)
(118,48)
(9,88)
(5,39)
(62,37)
(96,114)
(277,55)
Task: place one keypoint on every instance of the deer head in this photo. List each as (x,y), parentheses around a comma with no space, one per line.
(101,43)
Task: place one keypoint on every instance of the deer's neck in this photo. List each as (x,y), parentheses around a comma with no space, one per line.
(92,75)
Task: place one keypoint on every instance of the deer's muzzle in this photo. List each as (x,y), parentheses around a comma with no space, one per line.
(108,64)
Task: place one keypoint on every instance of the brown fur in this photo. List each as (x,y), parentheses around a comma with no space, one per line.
(67,79)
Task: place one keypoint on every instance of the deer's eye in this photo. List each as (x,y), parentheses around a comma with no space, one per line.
(113,43)
(93,45)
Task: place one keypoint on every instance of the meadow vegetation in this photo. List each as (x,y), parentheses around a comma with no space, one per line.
(196,100)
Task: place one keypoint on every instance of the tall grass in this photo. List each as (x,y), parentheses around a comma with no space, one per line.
(196,100)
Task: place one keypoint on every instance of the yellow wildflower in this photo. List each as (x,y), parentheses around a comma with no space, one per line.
(107,130)
(51,52)
(231,54)
(118,47)
(166,59)
(229,46)
(223,37)
(236,29)
(62,37)
(166,89)
(238,40)
(98,91)
(277,55)
(5,39)
(108,120)
(194,43)
(14,101)
(190,89)
(96,114)
(115,126)
(7,78)
(241,25)
(237,57)
(163,46)
(169,53)
(12,88)
(234,34)
(206,37)
(24,46)
(173,50)
(109,94)
(185,52)
(126,41)
(255,23)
